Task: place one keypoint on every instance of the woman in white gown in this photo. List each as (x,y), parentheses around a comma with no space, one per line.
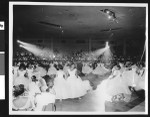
(34,88)
(86,69)
(29,71)
(116,86)
(77,87)
(21,100)
(21,79)
(15,70)
(60,84)
(46,97)
(65,69)
(134,77)
(100,69)
(109,87)
(52,71)
(116,83)
(41,71)
(40,81)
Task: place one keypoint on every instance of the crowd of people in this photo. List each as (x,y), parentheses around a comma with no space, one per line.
(56,82)
(81,55)
(38,83)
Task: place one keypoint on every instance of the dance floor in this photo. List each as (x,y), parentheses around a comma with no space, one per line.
(89,102)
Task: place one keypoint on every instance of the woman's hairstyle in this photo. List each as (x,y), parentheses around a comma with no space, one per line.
(48,79)
(18,90)
(15,63)
(60,67)
(56,66)
(73,64)
(34,78)
(28,64)
(22,66)
(118,66)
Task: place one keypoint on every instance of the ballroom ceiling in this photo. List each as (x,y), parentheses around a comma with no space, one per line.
(78,22)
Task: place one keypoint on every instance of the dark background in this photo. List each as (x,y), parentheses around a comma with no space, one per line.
(80,23)
(2,40)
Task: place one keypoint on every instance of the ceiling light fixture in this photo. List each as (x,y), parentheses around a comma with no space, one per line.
(110,14)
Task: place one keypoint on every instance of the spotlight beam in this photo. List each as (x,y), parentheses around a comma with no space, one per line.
(24,43)
(42,53)
(21,46)
(18,41)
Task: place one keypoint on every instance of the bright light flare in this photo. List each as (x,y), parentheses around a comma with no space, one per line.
(105,52)
(18,41)
(24,43)
(107,56)
(107,12)
(20,45)
(98,52)
(42,53)
(107,45)
(109,17)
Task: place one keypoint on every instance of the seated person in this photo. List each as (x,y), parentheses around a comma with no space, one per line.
(33,86)
(47,98)
(21,100)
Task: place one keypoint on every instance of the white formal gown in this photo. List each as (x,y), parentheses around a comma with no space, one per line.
(44,99)
(21,79)
(60,85)
(77,87)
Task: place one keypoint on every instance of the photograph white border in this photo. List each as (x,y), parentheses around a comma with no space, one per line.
(72,4)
